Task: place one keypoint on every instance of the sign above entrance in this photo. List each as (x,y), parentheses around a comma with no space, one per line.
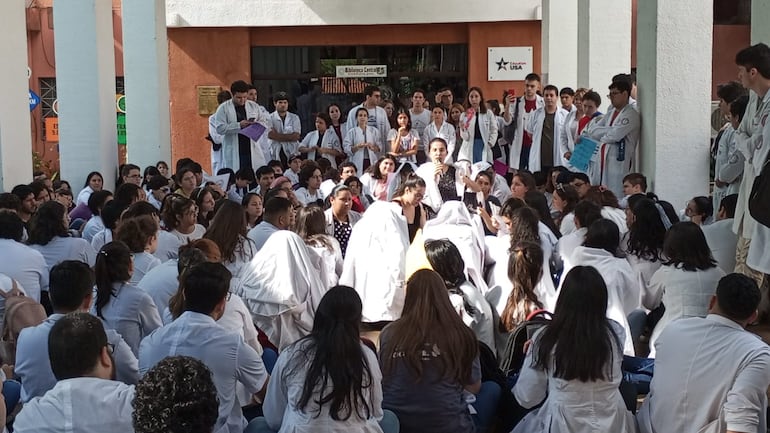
(509,63)
(362,71)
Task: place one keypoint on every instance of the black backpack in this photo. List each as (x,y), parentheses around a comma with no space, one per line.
(759,199)
(513,357)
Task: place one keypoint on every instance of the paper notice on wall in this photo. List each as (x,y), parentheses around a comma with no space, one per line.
(509,63)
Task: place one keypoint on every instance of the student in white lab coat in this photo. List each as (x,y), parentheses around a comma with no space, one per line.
(323,142)
(227,124)
(215,137)
(438,127)
(518,111)
(285,129)
(49,235)
(478,129)
(377,117)
(618,136)
(598,251)
(282,288)
(571,130)
(720,237)
(361,142)
(195,333)
(375,261)
(545,126)
(123,306)
(579,382)
(84,399)
(445,258)
(332,363)
(735,400)
(687,280)
(728,164)
(444,181)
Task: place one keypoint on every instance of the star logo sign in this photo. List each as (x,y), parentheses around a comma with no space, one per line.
(501,65)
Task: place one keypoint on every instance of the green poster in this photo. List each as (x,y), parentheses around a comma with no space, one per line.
(121,129)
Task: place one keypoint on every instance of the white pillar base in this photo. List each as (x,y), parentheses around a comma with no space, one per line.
(85,86)
(674,76)
(145,54)
(15,138)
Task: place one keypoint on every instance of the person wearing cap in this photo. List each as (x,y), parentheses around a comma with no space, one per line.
(285,129)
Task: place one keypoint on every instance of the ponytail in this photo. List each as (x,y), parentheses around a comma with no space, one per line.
(113,265)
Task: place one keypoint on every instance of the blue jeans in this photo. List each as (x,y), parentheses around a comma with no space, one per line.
(486,406)
(11,394)
(269,357)
(638,372)
(388,423)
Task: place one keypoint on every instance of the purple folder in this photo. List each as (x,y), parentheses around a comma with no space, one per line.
(253,131)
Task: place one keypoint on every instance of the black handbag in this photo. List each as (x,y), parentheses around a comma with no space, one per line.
(759,199)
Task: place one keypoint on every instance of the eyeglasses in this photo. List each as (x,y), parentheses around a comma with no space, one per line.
(579,184)
(110,348)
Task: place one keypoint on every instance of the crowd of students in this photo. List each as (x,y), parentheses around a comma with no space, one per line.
(301,297)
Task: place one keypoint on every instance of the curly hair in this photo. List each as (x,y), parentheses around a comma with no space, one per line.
(177,395)
(47,223)
(137,232)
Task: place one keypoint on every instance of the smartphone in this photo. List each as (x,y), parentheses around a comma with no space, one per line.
(512,93)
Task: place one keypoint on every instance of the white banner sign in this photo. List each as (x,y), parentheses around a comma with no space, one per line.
(362,71)
(509,63)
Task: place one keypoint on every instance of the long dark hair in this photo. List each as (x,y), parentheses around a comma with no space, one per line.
(47,223)
(603,234)
(685,247)
(113,265)
(569,194)
(228,229)
(647,233)
(536,200)
(579,340)
(429,318)
(335,357)
(446,260)
(525,268)
(524,226)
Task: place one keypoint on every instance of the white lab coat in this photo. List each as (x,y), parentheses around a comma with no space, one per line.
(568,136)
(375,261)
(432,195)
(82,405)
(747,137)
(609,133)
(217,138)
(285,389)
(455,223)
(328,141)
(572,406)
(722,242)
(535,127)
(684,293)
(377,116)
(131,312)
(488,129)
(226,124)
(594,165)
(728,167)
(288,125)
(521,122)
(758,147)
(282,288)
(356,136)
(622,286)
(445,131)
(695,348)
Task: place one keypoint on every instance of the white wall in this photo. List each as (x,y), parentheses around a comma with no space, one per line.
(267,13)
